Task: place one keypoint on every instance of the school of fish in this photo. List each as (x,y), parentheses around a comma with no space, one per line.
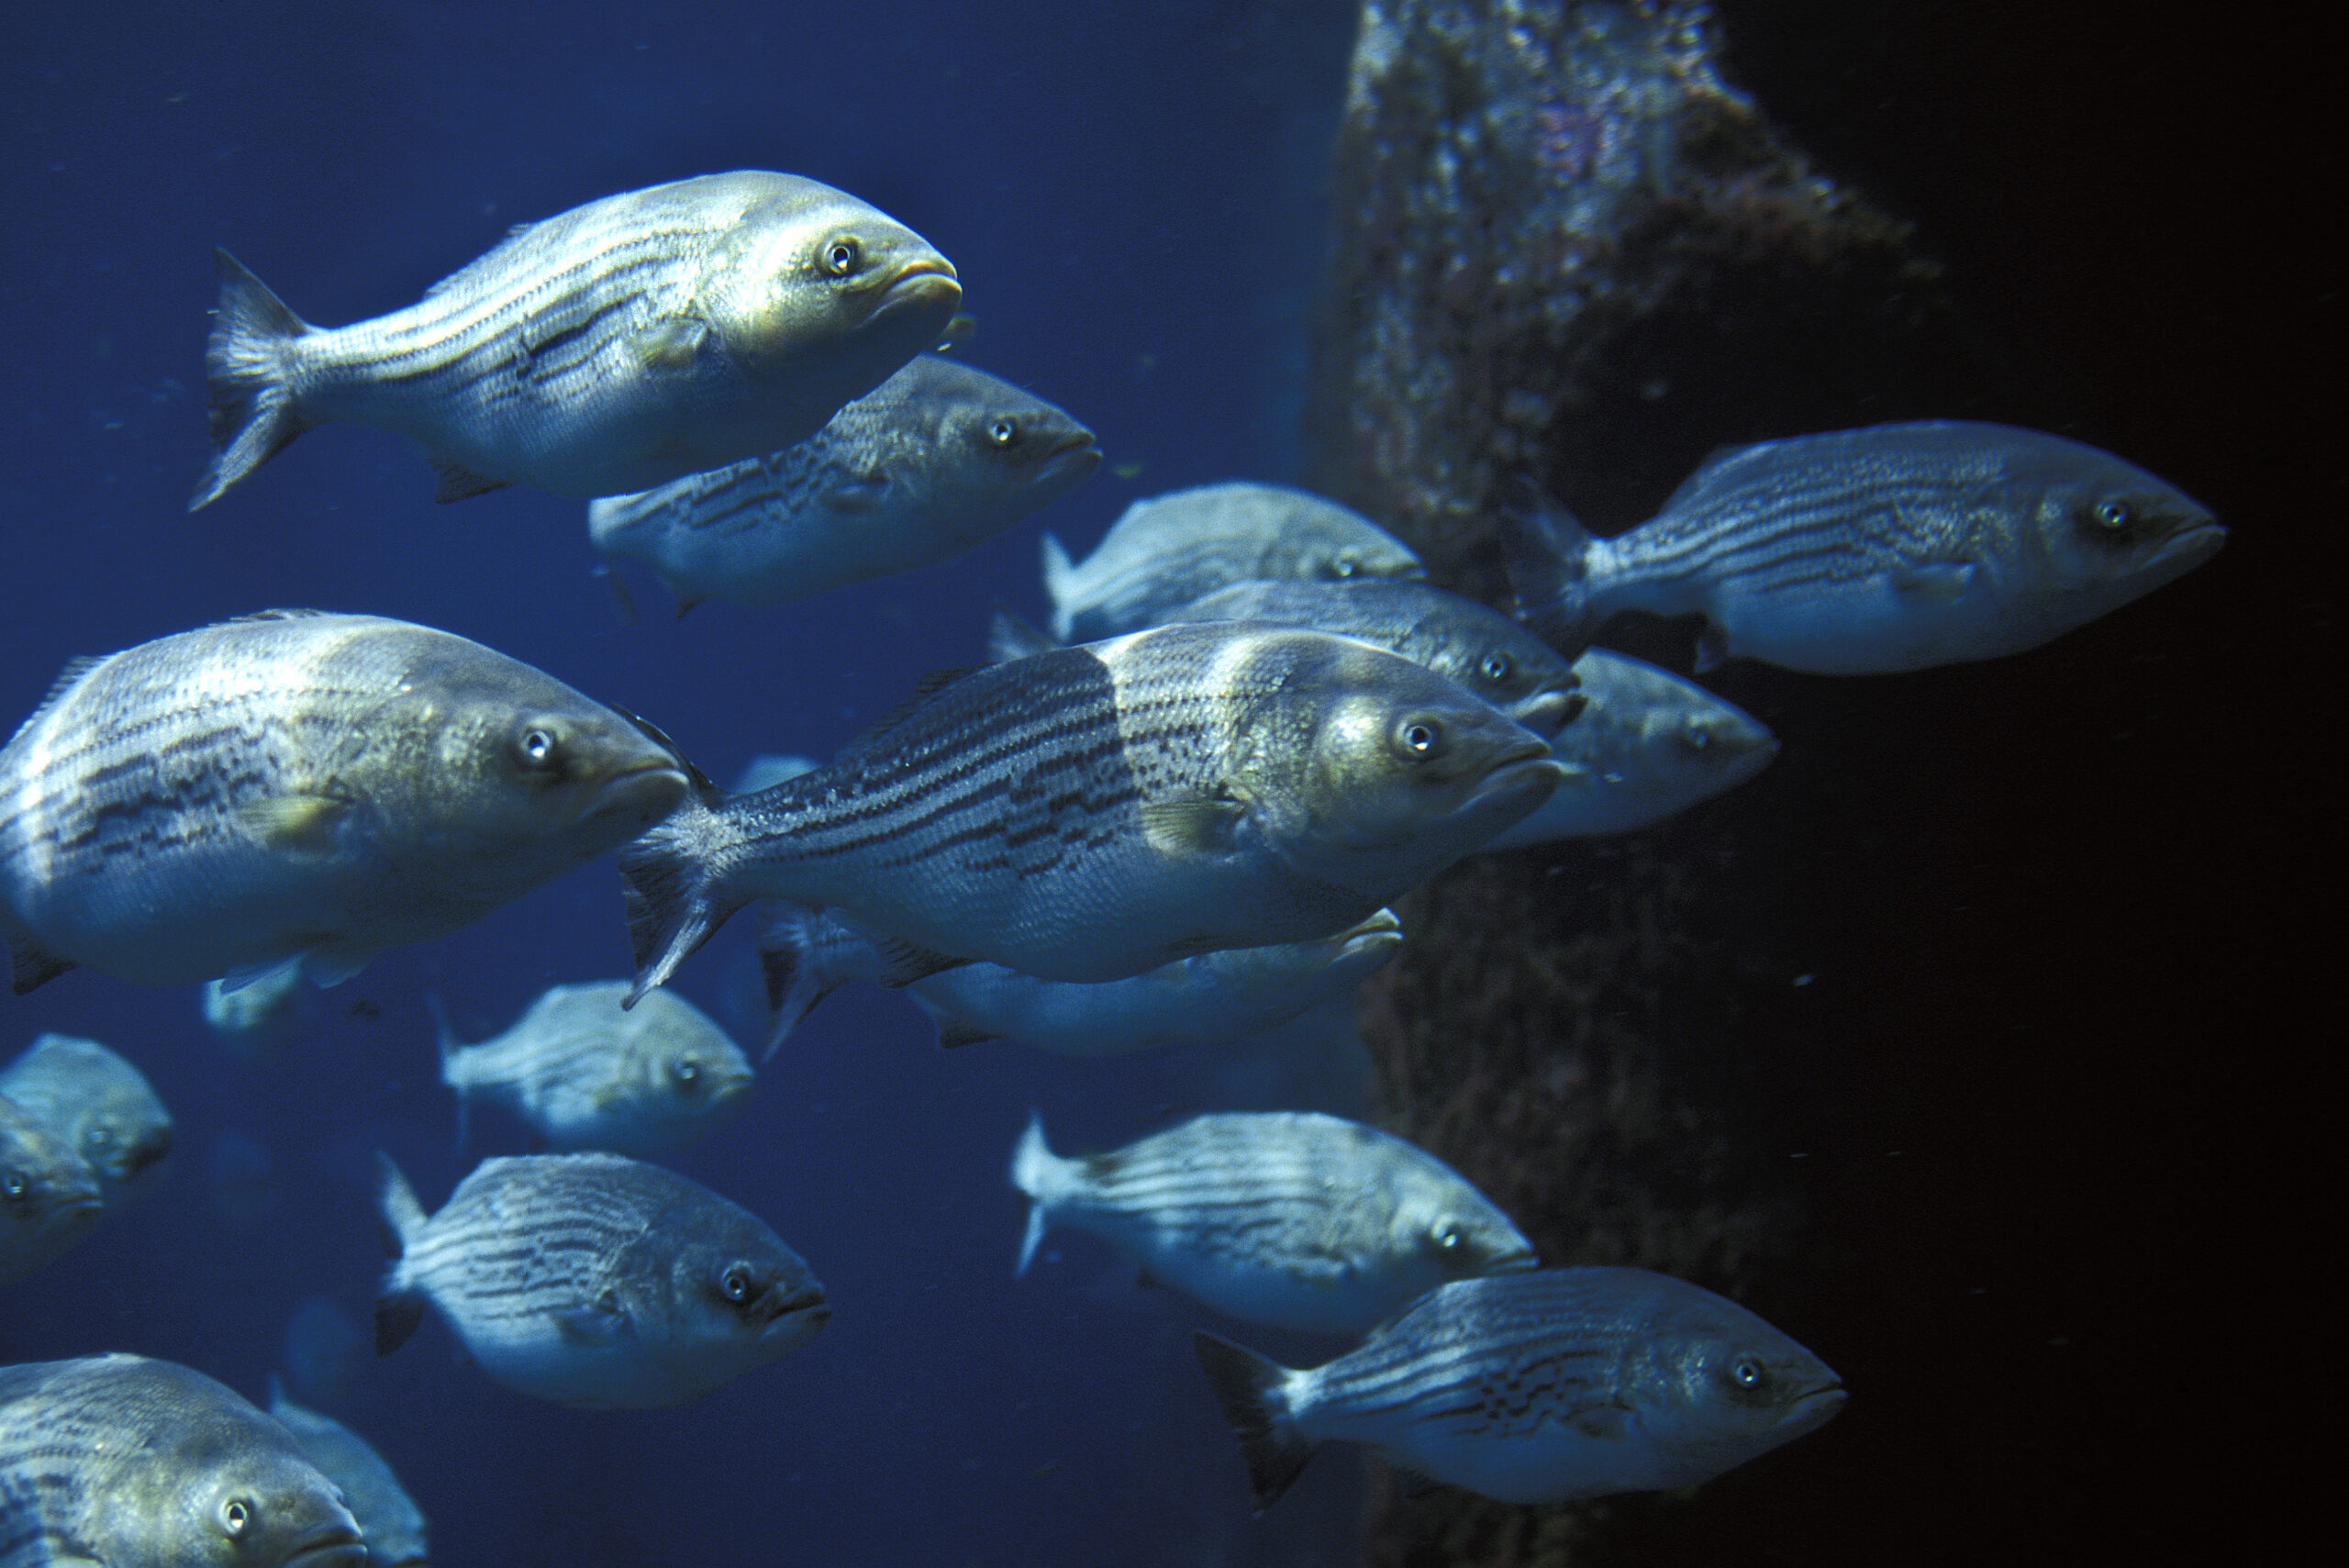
(1178,816)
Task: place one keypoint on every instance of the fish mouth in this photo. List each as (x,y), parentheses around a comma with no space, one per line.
(1520,774)
(650,791)
(1074,455)
(801,1311)
(926,284)
(1547,712)
(2188,549)
(336,1548)
(1816,1407)
(1523,1262)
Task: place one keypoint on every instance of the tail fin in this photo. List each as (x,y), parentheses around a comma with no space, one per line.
(1254,1393)
(1012,637)
(674,903)
(1033,1166)
(1547,551)
(398,1310)
(808,954)
(1059,581)
(244,370)
(449,1046)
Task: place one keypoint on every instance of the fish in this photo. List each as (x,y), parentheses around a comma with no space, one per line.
(1206,998)
(1165,550)
(1094,812)
(120,1461)
(102,1107)
(259,1021)
(937,459)
(1499,659)
(1648,744)
(1871,552)
(595,1280)
(305,788)
(1290,1219)
(49,1194)
(586,1074)
(1544,1387)
(609,349)
(389,1521)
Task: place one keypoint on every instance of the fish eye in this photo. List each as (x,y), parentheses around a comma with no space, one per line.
(736,1283)
(688,1073)
(98,1138)
(1422,738)
(1345,566)
(1749,1374)
(235,1514)
(539,745)
(1495,666)
(1698,737)
(842,255)
(1448,1237)
(1004,430)
(2113,516)
(13,1184)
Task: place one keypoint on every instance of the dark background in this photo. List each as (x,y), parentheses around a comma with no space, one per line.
(2063,912)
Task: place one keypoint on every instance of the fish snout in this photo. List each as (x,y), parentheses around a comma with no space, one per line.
(1548,711)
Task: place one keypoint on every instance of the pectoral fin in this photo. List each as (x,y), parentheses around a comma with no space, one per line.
(851,497)
(296,823)
(1608,1423)
(30,964)
(1192,827)
(1940,582)
(670,345)
(591,1324)
(457,482)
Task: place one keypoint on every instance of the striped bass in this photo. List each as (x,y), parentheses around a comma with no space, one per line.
(1647,744)
(595,1280)
(1542,1387)
(937,459)
(100,1104)
(1165,550)
(611,348)
(301,787)
(126,1462)
(49,1194)
(1869,552)
(388,1518)
(1290,1219)
(585,1074)
(1094,812)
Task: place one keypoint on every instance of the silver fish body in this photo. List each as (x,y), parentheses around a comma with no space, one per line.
(301,787)
(1291,1218)
(1541,1388)
(128,1462)
(596,1280)
(1094,812)
(609,349)
(49,1194)
(1647,744)
(938,459)
(1874,550)
(99,1104)
(1206,998)
(1166,551)
(585,1074)
(389,1521)
(259,1021)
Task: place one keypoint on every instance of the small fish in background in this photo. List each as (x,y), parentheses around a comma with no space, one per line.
(595,1280)
(1648,744)
(1542,1387)
(936,460)
(1210,997)
(768,769)
(242,1180)
(120,1461)
(1092,813)
(320,1349)
(1290,1219)
(259,1021)
(389,1521)
(609,349)
(585,1074)
(1166,551)
(49,1194)
(1872,551)
(103,1107)
(301,788)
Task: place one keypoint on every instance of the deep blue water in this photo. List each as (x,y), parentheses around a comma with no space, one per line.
(2045,887)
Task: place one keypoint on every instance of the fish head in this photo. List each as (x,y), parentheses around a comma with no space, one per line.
(1395,770)
(248,1503)
(992,453)
(121,1144)
(49,1194)
(1501,662)
(2108,531)
(815,287)
(741,1296)
(1459,1234)
(490,777)
(1303,973)
(1715,1386)
(692,1071)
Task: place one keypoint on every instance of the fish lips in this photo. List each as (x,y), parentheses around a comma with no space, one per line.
(1547,712)
(336,1547)
(644,793)
(1528,775)
(2187,550)
(1813,1407)
(790,1315)
(925,286)
(1077,455)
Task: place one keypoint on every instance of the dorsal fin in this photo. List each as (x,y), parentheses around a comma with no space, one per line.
(276,615)
(929,686)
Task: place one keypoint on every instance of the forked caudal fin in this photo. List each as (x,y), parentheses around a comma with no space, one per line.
(251,407)
(1546,549)
(1251,1388)
(1033,1166)
(674,904)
